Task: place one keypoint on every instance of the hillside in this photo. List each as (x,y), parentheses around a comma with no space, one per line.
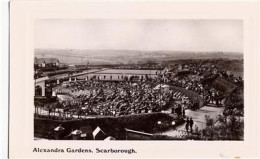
(128,56)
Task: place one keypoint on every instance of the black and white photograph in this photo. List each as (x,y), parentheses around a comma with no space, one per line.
(138,79)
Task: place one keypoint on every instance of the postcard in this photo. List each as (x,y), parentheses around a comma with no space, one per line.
(133,79)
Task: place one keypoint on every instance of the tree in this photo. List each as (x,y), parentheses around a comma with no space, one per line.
(228,128)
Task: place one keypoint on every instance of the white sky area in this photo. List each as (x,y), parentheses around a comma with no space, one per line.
(170,35)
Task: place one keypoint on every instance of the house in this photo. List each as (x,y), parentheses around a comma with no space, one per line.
(58,132)
(72,67)
(99,134)
(46,62)
(76,134)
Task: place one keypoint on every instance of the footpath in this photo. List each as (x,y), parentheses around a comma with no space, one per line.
(199,119)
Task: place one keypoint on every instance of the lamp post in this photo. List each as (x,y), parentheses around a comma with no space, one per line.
(173,124)
(159,123)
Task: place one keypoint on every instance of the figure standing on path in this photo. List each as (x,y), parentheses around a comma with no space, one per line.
(173,110)
(196,129)
(191,124)
(187,125)
(183,112)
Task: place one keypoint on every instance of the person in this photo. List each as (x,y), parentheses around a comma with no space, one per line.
(191,124)
(196,129)
(187,125)
(178,110)
(183,112)
(173,110)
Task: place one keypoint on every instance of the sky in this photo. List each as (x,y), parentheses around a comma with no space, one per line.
(143,34)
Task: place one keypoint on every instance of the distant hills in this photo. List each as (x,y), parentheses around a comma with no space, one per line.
(75,56)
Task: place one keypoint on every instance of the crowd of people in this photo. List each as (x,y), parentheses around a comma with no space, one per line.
(117,98)
(136,94)
(193,80)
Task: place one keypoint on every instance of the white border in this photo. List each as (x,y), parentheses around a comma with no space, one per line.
(4,36)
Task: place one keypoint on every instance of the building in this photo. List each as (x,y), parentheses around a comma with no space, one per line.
(46,62)
(72,67)
(99,134)
(40,86)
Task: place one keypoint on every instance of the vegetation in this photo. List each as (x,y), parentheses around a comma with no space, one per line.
(235,103)
(226,128)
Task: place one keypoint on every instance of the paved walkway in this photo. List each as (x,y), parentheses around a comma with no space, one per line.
(77,74)
(198,117)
